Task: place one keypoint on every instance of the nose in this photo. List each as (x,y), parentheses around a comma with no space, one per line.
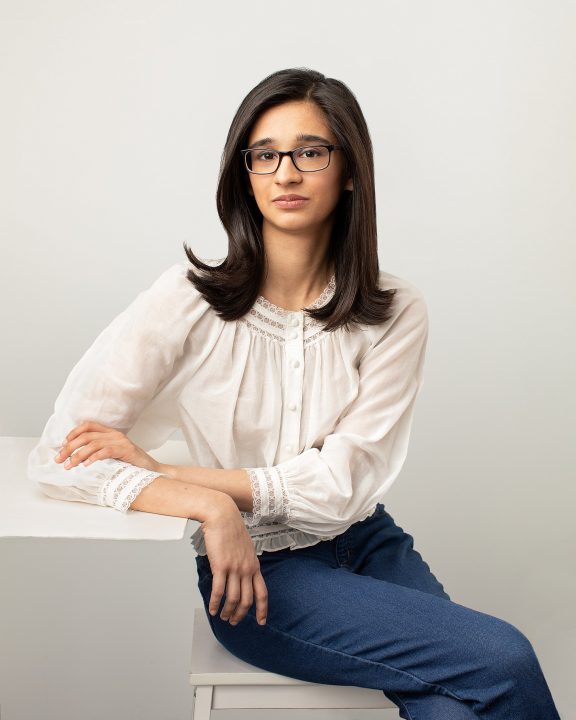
(287,170)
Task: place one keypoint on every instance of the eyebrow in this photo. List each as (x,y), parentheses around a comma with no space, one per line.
(263,142)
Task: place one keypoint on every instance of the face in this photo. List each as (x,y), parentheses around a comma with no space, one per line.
(282,125)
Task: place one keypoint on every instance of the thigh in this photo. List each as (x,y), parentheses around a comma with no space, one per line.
(383,550)
(330,625)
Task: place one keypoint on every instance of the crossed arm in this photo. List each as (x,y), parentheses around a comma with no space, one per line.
(235,483)
(178,490)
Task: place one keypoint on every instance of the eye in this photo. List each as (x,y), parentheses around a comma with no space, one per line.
(265,155)
(309,152)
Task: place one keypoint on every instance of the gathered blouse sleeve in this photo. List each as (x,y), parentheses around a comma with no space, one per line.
(324,490)
(128,363)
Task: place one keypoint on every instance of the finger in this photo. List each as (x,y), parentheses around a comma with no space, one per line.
(68,448)
(80,455)
(246,600)
(80,441)
(232,595)
(261,595)
(218,585)
(99,455)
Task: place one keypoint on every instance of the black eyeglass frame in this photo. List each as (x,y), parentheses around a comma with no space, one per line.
(281,154)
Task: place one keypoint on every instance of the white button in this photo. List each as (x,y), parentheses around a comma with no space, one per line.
(294,320)
(293,335)
(295,363)
(288,447)
(292,406)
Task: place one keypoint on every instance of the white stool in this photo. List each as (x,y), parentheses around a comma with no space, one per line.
(224,682)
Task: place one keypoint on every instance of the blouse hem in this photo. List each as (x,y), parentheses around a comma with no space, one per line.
(270,542)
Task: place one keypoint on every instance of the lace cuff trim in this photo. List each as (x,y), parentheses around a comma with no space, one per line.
(122,487)
(270,501)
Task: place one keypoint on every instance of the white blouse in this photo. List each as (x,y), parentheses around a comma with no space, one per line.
(319,420)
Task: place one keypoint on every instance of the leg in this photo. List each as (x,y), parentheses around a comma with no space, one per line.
(389,554)
(203,702)
(328,623)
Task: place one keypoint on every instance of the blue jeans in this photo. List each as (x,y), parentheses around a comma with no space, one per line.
(364,609)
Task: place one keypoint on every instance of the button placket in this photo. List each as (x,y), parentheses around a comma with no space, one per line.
(292,391)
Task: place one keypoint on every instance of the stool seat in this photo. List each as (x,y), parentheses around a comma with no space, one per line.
(224,682)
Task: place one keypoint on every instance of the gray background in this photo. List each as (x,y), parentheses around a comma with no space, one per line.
(114,115)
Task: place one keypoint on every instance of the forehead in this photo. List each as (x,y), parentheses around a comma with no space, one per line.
(285,122)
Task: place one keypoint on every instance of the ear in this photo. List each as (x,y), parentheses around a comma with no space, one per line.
(349,184)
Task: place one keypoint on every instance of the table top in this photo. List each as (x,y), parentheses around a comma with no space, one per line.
(25,511)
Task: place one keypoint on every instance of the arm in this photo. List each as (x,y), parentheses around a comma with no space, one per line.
(116,378)
(167,496)
(234,483)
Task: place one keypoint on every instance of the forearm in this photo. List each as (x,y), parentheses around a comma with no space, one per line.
(235,483)
(167,496)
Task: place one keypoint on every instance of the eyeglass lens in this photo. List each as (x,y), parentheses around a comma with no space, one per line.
(306,159)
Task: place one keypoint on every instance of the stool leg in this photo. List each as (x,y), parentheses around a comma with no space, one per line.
(203,702)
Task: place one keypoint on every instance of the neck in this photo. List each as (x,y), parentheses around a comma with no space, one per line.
(297,267)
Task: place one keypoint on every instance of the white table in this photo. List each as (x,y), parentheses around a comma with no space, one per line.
(25,511)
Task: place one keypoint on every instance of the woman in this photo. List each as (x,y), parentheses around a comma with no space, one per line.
(292,366)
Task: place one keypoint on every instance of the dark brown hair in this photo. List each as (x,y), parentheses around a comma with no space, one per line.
(233,286)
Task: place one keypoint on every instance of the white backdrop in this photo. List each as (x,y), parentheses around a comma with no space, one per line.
(113,118)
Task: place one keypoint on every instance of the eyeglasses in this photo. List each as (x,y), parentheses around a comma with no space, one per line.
(311,158)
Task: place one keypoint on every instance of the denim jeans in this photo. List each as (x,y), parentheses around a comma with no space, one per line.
(364,609)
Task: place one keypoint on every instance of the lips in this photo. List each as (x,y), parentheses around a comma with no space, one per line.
(290,197)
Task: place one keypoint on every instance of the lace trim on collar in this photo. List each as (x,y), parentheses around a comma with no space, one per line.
(270,320)
(282,312)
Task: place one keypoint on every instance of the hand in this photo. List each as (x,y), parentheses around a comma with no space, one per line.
(235,566)
(94,441)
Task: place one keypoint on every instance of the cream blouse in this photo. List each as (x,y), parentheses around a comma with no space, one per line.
(319,420)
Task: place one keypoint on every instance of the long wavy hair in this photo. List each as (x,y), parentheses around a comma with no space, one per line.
(233,286)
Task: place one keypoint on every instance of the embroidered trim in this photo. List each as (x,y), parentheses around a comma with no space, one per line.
(269,320)
(277,505)
(287,515)
(117,487)
(271,494)
(110,484)
(326,294)
(142,483)
(320,300)
(253,517)
(122,484)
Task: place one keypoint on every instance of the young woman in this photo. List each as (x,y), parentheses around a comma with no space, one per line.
(292,366)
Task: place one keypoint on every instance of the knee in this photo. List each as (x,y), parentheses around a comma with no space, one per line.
(512,653)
